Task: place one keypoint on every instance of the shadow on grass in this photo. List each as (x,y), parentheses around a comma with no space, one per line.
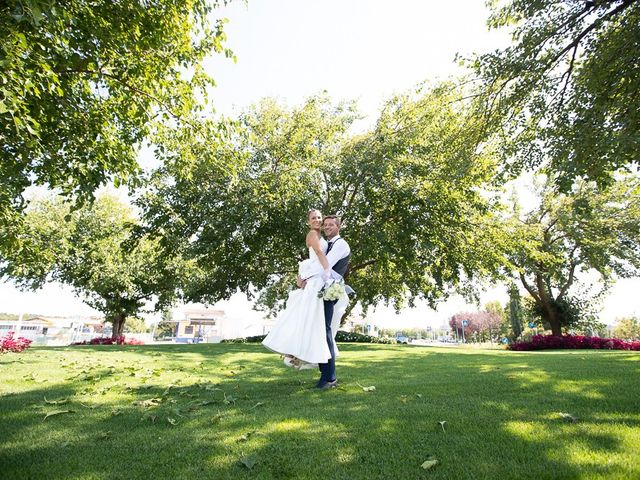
(232,411)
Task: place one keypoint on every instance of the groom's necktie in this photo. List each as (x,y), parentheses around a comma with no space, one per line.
(330,246)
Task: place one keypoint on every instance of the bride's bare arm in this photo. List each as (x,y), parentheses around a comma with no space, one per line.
(314,242)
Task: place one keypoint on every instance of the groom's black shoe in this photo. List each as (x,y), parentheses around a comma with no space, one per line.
(322,385)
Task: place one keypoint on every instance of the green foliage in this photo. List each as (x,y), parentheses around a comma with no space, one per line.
(627,328)
(254,339)
(515,311)
(565,93)
(98,251)
(342,336)
(83,85)
(135,325)
(415,194)
(588,229)
(165,328)
(577,314)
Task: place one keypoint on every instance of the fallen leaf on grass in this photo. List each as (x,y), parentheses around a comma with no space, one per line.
(442,423)
(404,398)
(418,395)
(367,389)
(60,401)
(90,407)
(568,417)
(259,404)
(429,464)
(195,404)
(56,412)
(248,462)
(172,421)
(246,436)
(217,417)
(152,402)
(150,417)
(212,388)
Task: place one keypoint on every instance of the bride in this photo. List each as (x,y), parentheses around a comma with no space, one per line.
(299,333)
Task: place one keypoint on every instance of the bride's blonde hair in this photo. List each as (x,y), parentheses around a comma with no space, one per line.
(311,211)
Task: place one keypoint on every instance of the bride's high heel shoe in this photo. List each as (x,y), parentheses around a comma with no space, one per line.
(289,361)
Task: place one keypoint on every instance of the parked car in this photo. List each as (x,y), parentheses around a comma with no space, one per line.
(403,339)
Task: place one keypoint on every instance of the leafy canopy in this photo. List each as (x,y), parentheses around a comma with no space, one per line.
(84,84)
(565,93)
(414,193)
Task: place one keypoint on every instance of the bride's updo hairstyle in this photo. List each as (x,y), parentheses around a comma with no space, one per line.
(311,211)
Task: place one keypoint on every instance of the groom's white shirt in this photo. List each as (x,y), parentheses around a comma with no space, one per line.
(338,251)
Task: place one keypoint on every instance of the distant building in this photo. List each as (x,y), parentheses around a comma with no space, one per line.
(52,330)
(202,325)
(210,325)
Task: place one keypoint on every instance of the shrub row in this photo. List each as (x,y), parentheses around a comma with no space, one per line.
(545,342)
(341,336)
(121,340)
(10,344)
(256,339)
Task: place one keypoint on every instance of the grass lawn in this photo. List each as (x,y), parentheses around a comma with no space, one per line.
(232,411)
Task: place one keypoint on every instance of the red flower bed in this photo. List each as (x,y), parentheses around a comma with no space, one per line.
(545,342)
(121,340)
(10,344)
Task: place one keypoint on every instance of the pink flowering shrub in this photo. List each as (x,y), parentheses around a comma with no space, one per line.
(545,342)
(10,344)
(121,340)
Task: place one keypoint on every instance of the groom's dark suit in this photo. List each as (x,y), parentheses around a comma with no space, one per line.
(328,370)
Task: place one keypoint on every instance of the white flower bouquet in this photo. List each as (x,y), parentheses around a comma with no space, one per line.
(332,291)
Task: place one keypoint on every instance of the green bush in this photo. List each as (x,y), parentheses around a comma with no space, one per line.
(343,336)
(255,339)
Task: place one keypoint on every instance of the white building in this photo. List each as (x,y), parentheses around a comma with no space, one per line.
(52,330)
(211,325)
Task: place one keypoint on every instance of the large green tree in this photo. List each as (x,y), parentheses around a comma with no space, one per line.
(84,84)
(99,251)
(414,192)
(566,93)
(627,328)
(587,231)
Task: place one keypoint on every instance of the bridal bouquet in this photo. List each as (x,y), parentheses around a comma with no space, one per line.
(332,291)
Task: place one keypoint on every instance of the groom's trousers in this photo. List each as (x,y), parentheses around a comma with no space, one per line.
(328,370)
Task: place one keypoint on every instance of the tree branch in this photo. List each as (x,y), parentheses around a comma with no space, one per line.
(576,41)
(571,278)
(529,288)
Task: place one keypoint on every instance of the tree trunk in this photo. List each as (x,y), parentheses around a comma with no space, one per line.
(118,325)
(515,311)
(552,316)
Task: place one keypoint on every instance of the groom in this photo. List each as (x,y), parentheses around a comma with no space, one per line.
(338,255)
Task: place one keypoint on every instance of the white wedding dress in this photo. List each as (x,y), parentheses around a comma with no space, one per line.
(299,331)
